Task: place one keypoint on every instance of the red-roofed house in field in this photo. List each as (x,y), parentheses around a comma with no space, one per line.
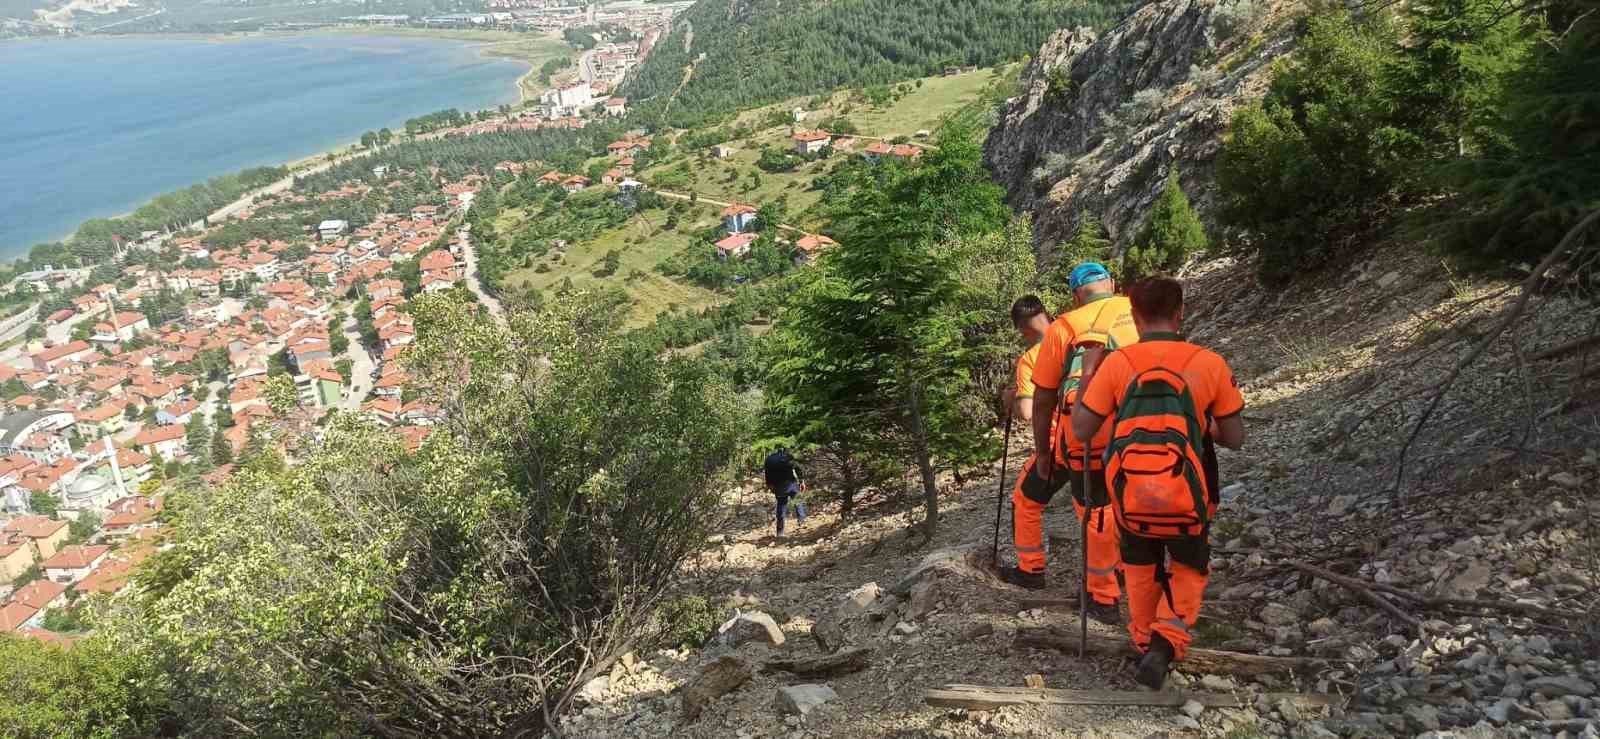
(737,245)
(810,142)
(876,151)
(738,216)
(616,106)
(905,152)
(809,246)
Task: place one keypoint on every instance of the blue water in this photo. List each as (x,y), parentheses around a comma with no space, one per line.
(94,127)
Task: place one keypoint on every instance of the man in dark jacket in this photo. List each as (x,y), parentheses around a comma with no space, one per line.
(783,479)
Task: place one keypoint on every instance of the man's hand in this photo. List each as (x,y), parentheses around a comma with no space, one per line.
(1044,400)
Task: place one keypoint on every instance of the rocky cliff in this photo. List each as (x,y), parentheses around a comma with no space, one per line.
(1099,120)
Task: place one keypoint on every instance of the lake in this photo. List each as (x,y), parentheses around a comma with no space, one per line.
(93,127)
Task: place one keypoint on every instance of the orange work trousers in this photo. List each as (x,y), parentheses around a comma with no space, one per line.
(1028,500)
(1166,579)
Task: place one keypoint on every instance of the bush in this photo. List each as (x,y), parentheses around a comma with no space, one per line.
(1307,166)
(1231,18)
(94,689)
(689,621)
(466,589)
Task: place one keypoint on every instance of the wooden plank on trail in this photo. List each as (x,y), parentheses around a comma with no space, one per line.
(1198,660)
(982,698)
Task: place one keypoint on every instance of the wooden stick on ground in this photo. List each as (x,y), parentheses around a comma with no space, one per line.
(1361,589)
(1431,602)
(1199,660)
(981,698)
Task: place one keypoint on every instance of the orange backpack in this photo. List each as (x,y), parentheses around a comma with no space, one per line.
(1153,462)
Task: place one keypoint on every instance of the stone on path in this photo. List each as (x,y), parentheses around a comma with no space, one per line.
(715,680)
(747,627)
(803,699)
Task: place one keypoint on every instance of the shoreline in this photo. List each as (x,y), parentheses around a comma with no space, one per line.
(339,152)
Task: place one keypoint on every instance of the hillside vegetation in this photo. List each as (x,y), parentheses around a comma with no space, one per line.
(747,53)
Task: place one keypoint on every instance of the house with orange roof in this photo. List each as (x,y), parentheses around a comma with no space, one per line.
(809,246)
(101,420)
(383,409)
(55,357)
(73,563)
(168,442)
(810,142)
(122,327)
(16,556)
(44,534)
(738,216)
(130,515)
(735,246)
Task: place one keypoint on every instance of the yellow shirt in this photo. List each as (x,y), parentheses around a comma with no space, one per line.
(1025,370)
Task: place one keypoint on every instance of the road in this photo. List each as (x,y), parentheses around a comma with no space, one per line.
(469,258)
(361,367)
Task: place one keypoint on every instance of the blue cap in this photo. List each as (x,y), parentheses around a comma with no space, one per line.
(1087,273)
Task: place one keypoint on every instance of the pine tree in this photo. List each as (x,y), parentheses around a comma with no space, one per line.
(221,448)
(198,438)
(1527,194)
(1171,234)
(870,343)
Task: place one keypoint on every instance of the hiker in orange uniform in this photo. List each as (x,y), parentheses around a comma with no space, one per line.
(1101,319)
(1165,397)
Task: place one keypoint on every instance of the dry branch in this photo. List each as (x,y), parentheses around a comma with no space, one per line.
(1527,288)
(1359,588)
(1364,588)
(1564,349)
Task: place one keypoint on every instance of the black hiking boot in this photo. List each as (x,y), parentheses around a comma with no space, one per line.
(1153,667)
(1105,613)
(1021,579)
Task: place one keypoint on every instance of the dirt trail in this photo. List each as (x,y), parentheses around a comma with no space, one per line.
(1316,364)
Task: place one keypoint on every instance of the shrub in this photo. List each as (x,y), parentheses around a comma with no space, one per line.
(1172,233)
(1307,166)
(688,621)
(1231,18)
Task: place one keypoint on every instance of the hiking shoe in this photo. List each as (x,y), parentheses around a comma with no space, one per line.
(1153,666)
(1021,579)
(1105,613)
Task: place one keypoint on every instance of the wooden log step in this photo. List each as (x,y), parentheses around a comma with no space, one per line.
(983,698)
(1197,660)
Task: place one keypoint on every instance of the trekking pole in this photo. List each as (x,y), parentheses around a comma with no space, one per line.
(1083,595)
(999,498)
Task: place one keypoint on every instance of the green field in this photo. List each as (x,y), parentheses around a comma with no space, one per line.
(921,108)
(651,291)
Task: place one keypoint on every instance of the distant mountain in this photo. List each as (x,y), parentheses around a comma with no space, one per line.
(748,53)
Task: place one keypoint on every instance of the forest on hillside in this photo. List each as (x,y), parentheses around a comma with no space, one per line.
(761,51)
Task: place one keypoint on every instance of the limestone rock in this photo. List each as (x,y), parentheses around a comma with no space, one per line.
(1129,112)
(595,689)
(802,699)
(744,628)
(716,679)
(1192,709)
(1555,687)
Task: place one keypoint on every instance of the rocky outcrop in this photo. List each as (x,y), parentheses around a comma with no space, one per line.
(1099,120)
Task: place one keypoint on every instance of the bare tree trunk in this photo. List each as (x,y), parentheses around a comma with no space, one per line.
(919,439)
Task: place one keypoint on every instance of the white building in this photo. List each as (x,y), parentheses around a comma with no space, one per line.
(332,228)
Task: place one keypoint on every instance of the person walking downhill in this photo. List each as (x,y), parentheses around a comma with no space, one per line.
(1100,319)
(1032,320)
(1165,397)
(783,479)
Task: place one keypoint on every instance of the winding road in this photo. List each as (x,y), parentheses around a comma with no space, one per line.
(469,258)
